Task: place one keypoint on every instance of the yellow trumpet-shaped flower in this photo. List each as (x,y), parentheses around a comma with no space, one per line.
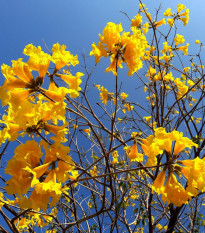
(115,156)
(88,130)
(134,155)
(128,47)
(22,70)
(168,12)
(195,173)
(38,60)
(137,21)
(161,22)
(74,83)
(158,185)
(174,192)
(61,57)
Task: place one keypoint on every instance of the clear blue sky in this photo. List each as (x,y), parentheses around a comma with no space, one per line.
(75,23)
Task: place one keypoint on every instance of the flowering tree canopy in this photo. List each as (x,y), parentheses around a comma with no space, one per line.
(107,164)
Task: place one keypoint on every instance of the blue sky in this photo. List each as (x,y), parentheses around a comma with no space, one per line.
(75,23)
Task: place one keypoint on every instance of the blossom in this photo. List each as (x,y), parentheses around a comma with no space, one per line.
(170,22)
(194,171)
(128,48)
(124,95)
(94,171)
(61,57)
(88,130)
(198,120)
(21,70)
(184,48)
(168,12)
(180,7)
(134,155)
(55,93)
(174,192)
(184,17)
(104,94)
(161,22)
(43,191)
(115,156)
(158,185)
(73,83)
(38,60)
(181,142)
(128,107)
(137,21)
(147,119)
(179,39)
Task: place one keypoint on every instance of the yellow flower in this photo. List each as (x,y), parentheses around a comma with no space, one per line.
(158,185)
(198,120)
(124,95)
(94,171)
(22,71)
(115,156)
(195,174)
(184,48)
(26,156)
(74,83)
(179,39)
(22,224)
(128,107)
(147,119)
(184,17)
(159,23)
(127,149)
(168,77)
(181,142)
(166,48)
(61,57)
(186,69)
(197,42)
(56,93)
(174,192)
(168,12)
(134,155)
(38,60)
(137,21)
(149,17)
(128,47)
(145,28)
(87,131)
(170,22)
(180,7)
(44,191)
(159,226)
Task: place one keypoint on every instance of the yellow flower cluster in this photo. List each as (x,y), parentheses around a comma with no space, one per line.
(162,141)
(173,191)
(105,95)
(126,47)
(180,15)
(172,144)
(34,110)
(45,179)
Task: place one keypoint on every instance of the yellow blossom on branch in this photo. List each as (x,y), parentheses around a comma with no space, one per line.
(61,57)
(88,130)
(128,48)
